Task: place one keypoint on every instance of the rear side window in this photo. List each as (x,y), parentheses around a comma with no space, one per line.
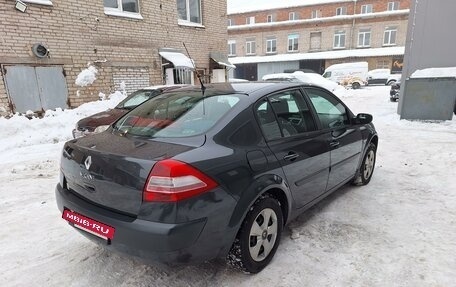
(285,114)
(176,115)
(330,111)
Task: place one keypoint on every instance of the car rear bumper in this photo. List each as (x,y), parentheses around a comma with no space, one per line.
(191,241)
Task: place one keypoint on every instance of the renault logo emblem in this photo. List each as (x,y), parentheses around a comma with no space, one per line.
(88,162)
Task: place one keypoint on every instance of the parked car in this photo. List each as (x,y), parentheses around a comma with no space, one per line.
(378,76)
(393,78)
(190,175)
(100,121)
(395,90)
(301,77)
(348,74)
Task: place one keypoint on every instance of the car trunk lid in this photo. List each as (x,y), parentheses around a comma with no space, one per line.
(111,170)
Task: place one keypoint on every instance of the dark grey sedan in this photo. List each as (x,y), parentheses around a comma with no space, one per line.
(189,176)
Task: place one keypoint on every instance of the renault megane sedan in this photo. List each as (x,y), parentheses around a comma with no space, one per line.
(195,174)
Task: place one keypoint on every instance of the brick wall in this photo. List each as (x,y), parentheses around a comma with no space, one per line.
(134,78)
(78,32)
(305,12)
(327,27)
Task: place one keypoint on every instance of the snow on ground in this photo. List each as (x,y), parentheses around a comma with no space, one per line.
(399,230)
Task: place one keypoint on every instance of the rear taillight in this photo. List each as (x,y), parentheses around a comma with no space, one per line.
(172,180)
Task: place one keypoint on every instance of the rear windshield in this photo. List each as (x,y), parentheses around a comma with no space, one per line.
(136,98)
(176,115)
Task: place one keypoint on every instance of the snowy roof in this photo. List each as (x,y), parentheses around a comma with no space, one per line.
(242,6)
(316,20)
(435,73)
(358,53)
(179,60)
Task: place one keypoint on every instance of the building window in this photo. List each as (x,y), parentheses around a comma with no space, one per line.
(250,47)
(341,11)
(269,19)
(230,22)
(271,45)
(393,6)
(316,14)
(121,7)
(41,2)
(364,38)
(231,48)
(250,20)
(339,39)
(293,16)
(390,36)
(365,9)
(189,10)
(383,64)
(293,41)
(315,41)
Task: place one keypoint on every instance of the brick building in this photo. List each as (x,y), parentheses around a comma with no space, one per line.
(315,36)
(138,42)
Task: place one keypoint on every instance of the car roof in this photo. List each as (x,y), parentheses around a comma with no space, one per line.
(158,87)
(246,88)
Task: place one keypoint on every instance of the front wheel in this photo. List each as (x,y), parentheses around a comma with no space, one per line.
(367,167)
(258,237)
(356,86)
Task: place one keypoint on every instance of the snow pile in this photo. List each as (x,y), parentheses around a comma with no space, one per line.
(54,127)
(435,73)
(87,76)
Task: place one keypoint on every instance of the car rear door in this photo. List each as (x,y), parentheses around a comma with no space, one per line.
(290,130)
(344,139)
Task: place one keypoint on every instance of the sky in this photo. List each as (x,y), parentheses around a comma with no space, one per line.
(239,6)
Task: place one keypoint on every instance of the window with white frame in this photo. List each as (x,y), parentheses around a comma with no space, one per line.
(293,43)
(341,11)
(230,22)
(250,20)
(232,48)
(250,46)
(42,2)
(270,18)
(189,11)
(364,37)
(365,9)
(271,45)
(389,37)
(339,39)
(293,16)
(383,64)
(316,14)
(393,6)
(315,41)
(121,7)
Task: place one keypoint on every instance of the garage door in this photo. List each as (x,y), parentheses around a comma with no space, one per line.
(36,88)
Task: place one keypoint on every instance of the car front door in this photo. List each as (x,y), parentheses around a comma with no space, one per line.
(292,135)
(344,139)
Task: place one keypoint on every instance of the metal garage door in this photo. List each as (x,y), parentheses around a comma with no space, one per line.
(36,88)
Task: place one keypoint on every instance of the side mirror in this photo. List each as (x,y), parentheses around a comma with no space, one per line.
(363,119)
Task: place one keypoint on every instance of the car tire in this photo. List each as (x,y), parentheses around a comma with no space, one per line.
(258,237)
(392,100)
(390,83)
(356,86)
(367,167)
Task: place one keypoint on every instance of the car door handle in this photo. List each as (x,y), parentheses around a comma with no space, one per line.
(291,156)
(334,144)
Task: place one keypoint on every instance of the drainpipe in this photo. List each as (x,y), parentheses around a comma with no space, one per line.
(353,26)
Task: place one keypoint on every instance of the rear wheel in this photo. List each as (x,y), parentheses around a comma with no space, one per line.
(259,236)
(356,86)
(391,82)
(367,167)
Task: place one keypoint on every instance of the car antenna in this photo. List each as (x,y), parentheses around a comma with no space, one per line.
(203,88)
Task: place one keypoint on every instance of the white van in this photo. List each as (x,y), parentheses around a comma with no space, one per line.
(351,74)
